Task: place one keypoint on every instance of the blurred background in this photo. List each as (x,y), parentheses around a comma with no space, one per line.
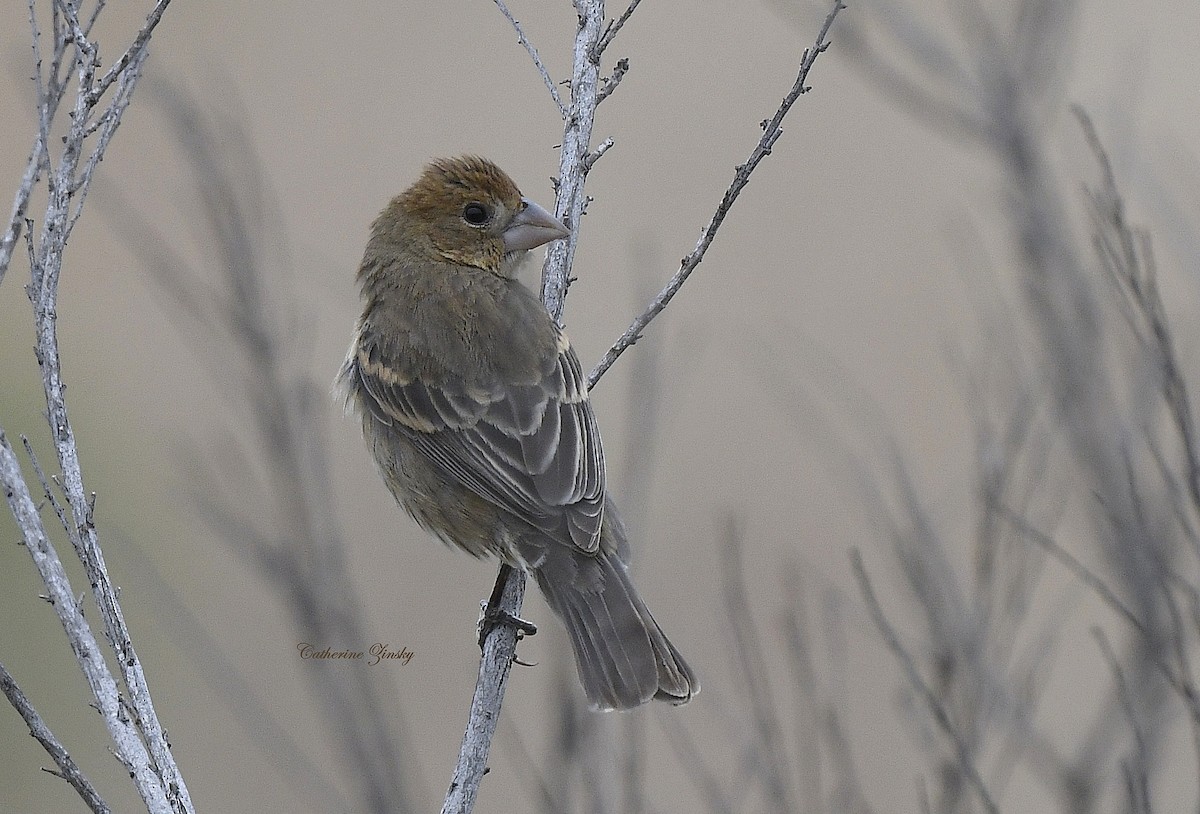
(930,335)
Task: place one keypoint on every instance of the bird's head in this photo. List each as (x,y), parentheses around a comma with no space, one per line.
(467,211)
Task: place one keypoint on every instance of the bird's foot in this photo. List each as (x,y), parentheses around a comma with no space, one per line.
(492,617)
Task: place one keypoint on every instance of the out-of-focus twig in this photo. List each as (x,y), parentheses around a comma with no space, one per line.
(1127,255)
(771,758)
(966,759)
(714,793)
(1136,769)
(240,303)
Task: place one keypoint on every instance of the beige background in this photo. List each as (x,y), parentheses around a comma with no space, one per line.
(840,275)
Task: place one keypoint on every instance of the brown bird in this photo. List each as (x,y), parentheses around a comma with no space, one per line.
(476,409)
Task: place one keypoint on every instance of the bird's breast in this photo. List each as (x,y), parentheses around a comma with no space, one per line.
(469,325)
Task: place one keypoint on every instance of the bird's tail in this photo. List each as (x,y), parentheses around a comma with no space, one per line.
(623,657)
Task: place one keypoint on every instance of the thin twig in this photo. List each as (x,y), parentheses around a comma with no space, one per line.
(532,774)
(594,156)
(106,125)
(1187,688)
(966,760)
(129,747)
(1180,683)
(714,793)
(614,79)
(1140,283)
(134,53)
(67,768)
(37,155)
(46,490)
(537,61)
(241,299)
(772,130)
(1081,571)
(613,28)
(575,161)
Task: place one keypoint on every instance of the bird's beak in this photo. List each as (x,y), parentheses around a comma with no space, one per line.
(532,227)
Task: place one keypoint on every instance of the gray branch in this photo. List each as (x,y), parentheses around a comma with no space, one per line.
(129,748)
(614,27)
(138,737)
(494,666)
(67,768)
(570,200)
(772,130)
(500,647)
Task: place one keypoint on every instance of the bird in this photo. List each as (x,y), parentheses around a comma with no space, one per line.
(475,408)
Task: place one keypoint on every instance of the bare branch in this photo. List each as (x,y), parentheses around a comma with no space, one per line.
(127,740)
(771,755)
(1137,780)
(570,199)
(499,648)
(67,768)
(613,28)
(47,102)
(575,161)
(1180,682)
(537,61)
(30,178)
(610,84)
(1134,271)
(1081,571)
(499,651)
(714,792)
(135,53)
(46,490)
(136,732)
(594,156)
(106,125)
(772,130)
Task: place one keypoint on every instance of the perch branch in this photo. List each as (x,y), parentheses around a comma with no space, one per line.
(499,647)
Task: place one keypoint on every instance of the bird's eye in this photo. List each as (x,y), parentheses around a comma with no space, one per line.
(475,214)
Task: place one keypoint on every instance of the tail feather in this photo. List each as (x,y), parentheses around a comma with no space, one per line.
(623,657)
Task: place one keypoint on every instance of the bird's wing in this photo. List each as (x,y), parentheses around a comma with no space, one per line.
(531,449)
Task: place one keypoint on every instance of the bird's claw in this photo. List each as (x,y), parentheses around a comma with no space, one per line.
(491,617)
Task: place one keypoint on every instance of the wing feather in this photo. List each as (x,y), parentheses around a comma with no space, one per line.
(532,449)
